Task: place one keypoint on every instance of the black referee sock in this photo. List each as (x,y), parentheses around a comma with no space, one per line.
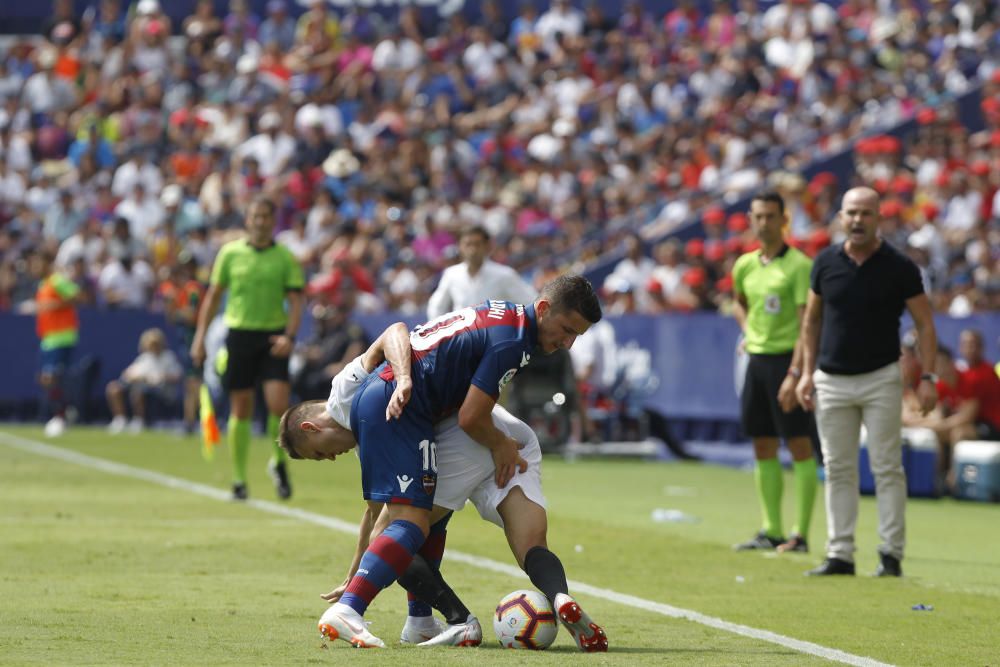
(546,572)
(428,585)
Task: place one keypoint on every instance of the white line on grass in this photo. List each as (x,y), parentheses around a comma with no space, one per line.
(114,468)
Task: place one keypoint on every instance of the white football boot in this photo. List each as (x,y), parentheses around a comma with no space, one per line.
(336,623)
(469,633)
(421,628)
(589,636)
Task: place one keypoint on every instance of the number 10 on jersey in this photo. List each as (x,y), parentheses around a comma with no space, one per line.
(429,451)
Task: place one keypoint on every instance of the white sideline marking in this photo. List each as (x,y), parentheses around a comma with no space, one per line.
(115,468)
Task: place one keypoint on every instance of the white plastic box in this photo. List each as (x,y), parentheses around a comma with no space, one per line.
(976,464)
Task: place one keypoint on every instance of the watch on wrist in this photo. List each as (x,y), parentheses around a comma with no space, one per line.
(930,377)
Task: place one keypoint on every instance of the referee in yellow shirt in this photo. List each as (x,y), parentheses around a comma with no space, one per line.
(771,286)
(260,276)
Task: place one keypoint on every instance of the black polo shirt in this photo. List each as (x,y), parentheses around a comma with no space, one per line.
(862,306)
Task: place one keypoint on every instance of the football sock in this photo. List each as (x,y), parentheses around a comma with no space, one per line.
(432,551)
(546,572)
(277,453)
(426,583)
(238,437)
(385,560)
(805,493)
(768,476)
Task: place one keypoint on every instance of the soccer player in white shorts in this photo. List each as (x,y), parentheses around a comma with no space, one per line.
(465,473)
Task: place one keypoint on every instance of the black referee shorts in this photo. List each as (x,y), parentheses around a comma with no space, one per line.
(762,416)
(251,361)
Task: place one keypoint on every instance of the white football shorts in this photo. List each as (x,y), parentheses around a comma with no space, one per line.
(465,468)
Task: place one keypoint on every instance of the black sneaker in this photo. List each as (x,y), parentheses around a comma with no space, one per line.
(239,491)
(888,566)
(794,543)
(279,473)
(832,566)
(761,541)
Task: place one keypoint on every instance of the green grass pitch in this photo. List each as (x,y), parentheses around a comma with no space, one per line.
(97,568)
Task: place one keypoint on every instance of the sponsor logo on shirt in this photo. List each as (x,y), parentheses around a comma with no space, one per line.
(507,377)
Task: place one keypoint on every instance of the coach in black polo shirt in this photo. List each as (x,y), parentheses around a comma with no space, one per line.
(858,292)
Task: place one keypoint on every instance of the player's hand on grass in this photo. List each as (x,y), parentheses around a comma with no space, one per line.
(806,392)
(508,462)
(336,593)
(281,345)
(786,394)
(400,397)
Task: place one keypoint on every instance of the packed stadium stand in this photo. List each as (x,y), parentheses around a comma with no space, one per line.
(620,140)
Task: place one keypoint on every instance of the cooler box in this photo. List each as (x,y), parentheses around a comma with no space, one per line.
(920,462)
(976,464)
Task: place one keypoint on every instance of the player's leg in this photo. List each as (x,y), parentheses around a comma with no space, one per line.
(804,474)
(55,362)
(838,417)
(525,524)
(882,416)
(239,377)
(758,407)
(276,395)
(397,468)
(115,393)
(426,588)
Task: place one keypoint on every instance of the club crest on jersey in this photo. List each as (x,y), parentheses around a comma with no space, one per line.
(507,377)
(525,358)
(430,483)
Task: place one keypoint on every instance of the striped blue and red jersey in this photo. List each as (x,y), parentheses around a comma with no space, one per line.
(482,346)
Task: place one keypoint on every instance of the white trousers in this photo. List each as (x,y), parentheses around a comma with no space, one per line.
(843,402)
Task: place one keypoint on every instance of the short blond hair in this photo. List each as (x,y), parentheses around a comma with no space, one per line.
(151,336)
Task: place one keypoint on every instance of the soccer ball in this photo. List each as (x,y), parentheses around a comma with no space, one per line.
(524,619)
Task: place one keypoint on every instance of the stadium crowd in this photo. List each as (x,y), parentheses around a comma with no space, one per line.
(131,144)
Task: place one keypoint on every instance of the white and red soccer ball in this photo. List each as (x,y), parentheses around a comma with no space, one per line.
(525,619)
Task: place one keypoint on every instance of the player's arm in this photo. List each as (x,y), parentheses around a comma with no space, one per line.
(365,528)
(213,298)
(476,419)
(393,345)
(809,344)
(786,393)
(923,321)
(281,345)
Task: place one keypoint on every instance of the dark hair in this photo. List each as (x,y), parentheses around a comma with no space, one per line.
(263,200)
(573,293)
(290,436)
(473,231)
(770,196)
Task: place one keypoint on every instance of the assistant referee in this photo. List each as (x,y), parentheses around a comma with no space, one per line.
(771,286)
(260,276)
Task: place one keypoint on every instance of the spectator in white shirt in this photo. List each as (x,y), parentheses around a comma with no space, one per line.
(143,212)
(272,148)
(477,278)
(155,374)
(137,170)
(87,244)
(561,19)
(126,282)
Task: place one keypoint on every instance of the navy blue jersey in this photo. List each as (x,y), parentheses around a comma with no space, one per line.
(482,346)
